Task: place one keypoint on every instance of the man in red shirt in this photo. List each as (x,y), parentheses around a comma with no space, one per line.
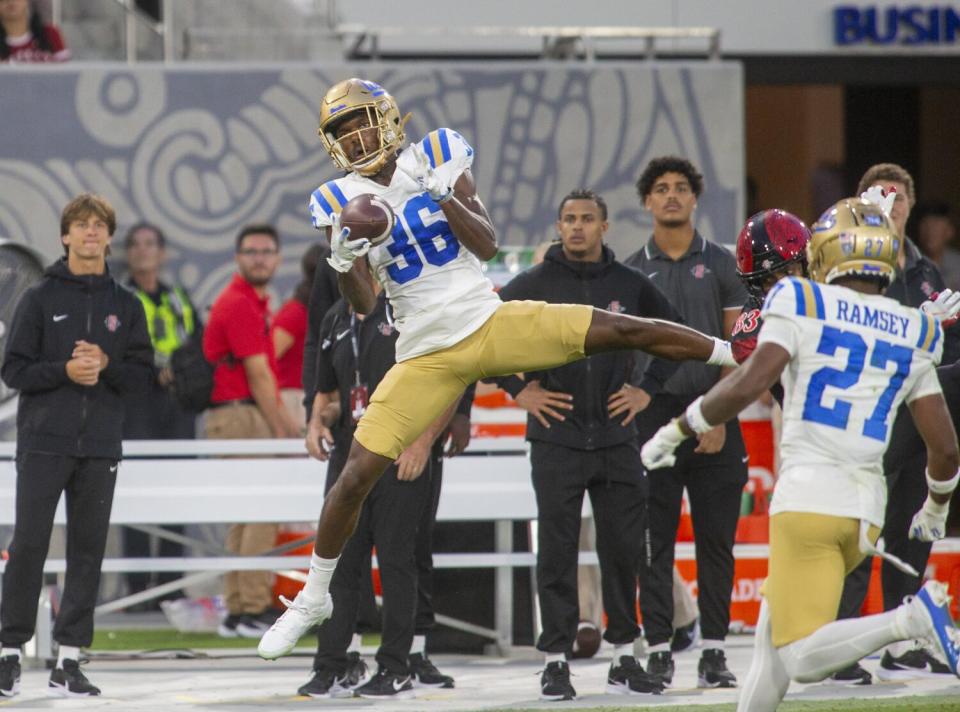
(24,37)
(246,404)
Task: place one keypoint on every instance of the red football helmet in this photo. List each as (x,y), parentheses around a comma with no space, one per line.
(771,240)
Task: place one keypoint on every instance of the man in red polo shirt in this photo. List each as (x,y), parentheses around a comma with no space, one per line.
(246,404)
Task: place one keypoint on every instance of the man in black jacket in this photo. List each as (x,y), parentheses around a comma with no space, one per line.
(77,345)
(583,439)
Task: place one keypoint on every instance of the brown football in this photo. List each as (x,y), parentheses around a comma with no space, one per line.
(587,642)
(368,216)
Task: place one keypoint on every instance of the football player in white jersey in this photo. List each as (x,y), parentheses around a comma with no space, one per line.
(453,327)
(847,357)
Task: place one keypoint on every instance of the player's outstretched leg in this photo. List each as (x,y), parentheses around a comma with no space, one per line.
(841,643)
(338,519)
(618,332)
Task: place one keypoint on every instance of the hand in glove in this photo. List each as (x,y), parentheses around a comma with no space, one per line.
(878,196)
(343,250)
(424,175)
(944,306)
(659,450)
(930,523)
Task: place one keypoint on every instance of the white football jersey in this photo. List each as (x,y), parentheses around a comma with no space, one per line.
(436,286)
(854,359)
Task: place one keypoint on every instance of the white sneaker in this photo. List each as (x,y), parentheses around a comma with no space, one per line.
(301,615)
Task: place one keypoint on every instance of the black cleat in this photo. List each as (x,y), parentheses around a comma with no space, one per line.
(660,666)
(425,673)
(852,675)
(712,670)
(627,677)
(326,683)
(555,683)
(9,675)
(68,681)
(913,664)
(686,637)
(386,685)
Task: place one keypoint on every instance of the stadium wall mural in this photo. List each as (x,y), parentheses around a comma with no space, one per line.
(201,151)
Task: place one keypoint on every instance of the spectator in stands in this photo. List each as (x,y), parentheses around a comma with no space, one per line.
(583,440)
(355,354)
(289,330)
(156,415)
(246,404)
(916,279)
(700,280)
(24,37)
(935,234)
(77,344)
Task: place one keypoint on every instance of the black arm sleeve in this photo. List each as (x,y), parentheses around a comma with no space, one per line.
(22,367)
(323,295)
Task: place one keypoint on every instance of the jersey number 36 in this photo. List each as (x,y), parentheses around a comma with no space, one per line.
(426,237)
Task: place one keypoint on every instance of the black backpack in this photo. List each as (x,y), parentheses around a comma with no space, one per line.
(192,375)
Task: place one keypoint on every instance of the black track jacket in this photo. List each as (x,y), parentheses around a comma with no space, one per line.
(56,415)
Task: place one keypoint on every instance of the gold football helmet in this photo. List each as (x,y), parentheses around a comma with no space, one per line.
(854,237)
(344,100)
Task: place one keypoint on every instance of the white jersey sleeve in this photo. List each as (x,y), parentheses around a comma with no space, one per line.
(779,314)
(449,153)
(930,350)
(325,202)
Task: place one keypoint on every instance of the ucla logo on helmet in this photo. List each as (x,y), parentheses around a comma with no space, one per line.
(873,220)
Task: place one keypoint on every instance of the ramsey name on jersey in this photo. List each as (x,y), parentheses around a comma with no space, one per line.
(854,359)
(436,286)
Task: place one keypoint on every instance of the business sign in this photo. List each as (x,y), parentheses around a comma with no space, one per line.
(910,25)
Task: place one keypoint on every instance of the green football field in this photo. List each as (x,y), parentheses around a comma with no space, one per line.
(910,704)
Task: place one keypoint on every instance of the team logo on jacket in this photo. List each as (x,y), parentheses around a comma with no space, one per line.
(112,322)
(616,307)
(927,288)
(699,270)
(385,329)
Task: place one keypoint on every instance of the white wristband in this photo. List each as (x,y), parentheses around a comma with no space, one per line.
(942,486)
(695,419)
(722,354)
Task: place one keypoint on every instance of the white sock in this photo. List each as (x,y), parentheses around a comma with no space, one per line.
(842,643)
(658,648)
(767,681)
(318,578)
(555,658)
(6,652)
(67,652)
(419,645)
(713,644)
(355,642)
(622,651)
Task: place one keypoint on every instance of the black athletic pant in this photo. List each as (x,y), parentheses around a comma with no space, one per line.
(714,485)
(906,493)
(614,480)
(425,619)
(388,521)
(41,478)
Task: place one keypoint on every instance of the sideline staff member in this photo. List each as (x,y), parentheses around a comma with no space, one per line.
(77,345)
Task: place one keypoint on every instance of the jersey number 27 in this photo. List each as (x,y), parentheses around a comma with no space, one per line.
(838,415)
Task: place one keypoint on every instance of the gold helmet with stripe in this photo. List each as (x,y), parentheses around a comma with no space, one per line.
(345,100)
(853,238)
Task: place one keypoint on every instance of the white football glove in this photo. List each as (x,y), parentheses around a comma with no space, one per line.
(930,523)
(878,196)
(423,174)
(659,450)
(344,251)
(944,306)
